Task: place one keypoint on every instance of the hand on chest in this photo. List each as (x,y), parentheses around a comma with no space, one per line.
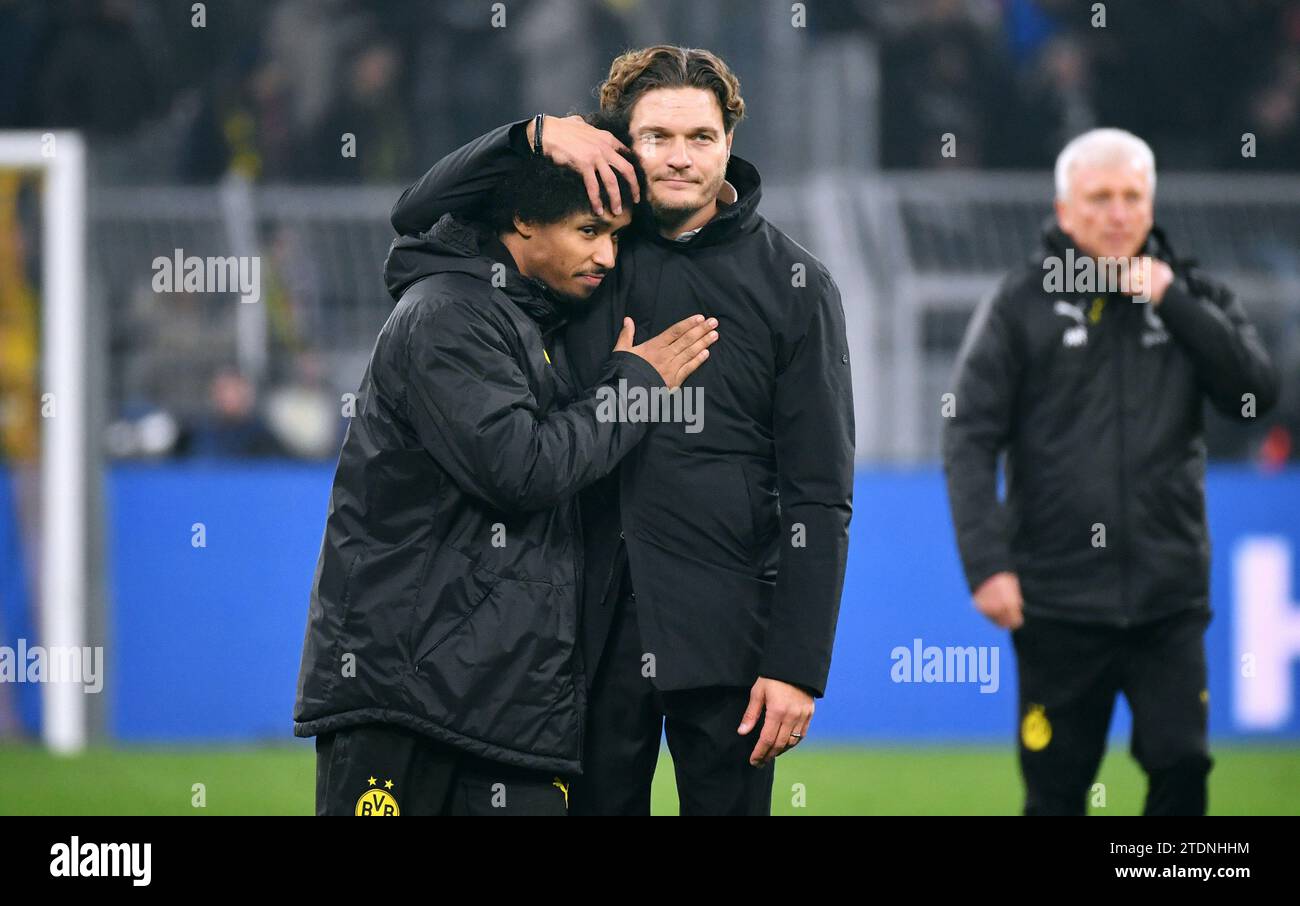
(747,346)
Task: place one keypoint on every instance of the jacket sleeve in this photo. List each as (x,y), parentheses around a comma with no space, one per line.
(1211,324)
(814,441)
(470,405)
(462,182)
(975,431)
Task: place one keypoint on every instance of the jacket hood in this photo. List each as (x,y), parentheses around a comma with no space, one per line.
(459,247)
(739,217)
(1055,241)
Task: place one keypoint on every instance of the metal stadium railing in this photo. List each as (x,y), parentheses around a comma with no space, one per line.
(912,254)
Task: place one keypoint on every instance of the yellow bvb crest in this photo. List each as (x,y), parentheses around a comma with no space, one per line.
(1036,729)
(377,802)
(1094,313)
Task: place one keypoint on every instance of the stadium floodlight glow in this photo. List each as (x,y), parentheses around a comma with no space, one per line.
(64,557)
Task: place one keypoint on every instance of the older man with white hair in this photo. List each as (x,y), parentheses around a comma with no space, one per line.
(1090,377)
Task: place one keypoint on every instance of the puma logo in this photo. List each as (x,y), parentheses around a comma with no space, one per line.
(1078,334)
(1155,333)
(1070,311)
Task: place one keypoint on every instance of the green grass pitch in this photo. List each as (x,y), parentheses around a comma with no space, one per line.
(827,780)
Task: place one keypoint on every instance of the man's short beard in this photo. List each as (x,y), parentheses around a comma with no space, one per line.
(670,218)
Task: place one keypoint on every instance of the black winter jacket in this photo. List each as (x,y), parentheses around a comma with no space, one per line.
(736,534)
(1096,400)
(446,594)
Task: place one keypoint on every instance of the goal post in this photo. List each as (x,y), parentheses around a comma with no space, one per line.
(64,542)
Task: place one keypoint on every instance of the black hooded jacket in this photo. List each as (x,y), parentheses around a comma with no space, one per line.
(736,533)
(1096,400)
(446,594)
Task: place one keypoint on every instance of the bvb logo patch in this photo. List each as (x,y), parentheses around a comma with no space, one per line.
(377,803)
(1036,729)
(1094,313)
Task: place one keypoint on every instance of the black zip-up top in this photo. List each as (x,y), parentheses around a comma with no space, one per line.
(1096,399)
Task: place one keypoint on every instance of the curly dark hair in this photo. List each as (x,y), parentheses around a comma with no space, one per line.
(635,72)
(542,191)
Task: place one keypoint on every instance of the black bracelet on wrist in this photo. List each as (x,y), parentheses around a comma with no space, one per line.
(537,133)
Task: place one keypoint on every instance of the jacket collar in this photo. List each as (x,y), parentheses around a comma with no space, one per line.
(454,245)
(1056,241)
(732,220)
(532,296)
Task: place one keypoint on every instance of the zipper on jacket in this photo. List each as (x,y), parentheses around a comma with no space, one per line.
(579,587)
(1119,334)
(622,538)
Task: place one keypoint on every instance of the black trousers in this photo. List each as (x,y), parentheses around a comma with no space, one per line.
(626,719)
(1069,674)
(379,770)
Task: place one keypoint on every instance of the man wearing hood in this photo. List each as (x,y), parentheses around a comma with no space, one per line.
(440,671)
(1098,560)
(711,624)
